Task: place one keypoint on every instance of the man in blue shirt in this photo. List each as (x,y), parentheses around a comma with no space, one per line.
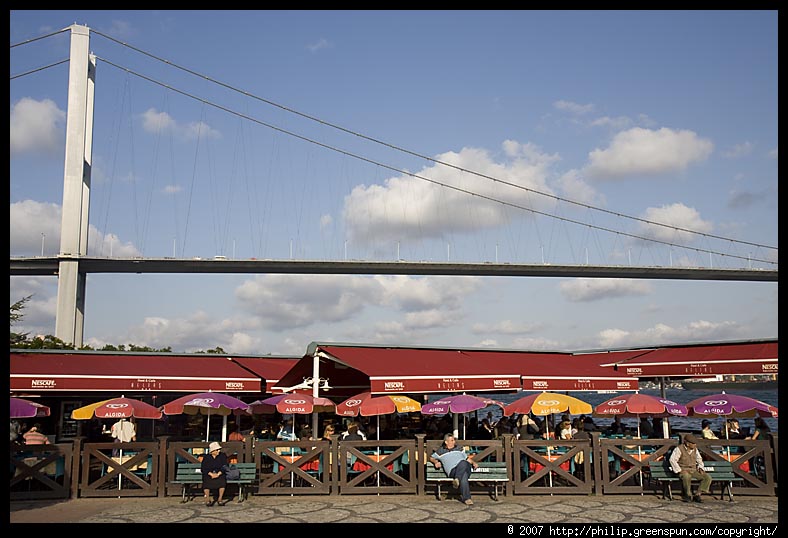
(456,464)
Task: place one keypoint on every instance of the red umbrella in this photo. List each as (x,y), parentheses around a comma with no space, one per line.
(367,405)
(121,408)
(21,408)
(302,404)
(636,404)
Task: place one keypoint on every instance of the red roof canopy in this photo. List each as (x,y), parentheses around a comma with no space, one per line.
(271,369)
(386,370)
(751,358)
(107,372)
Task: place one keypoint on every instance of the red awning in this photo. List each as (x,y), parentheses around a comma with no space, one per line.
(271,369)
(383,370)
(117,372)
(557,371)
(752,358)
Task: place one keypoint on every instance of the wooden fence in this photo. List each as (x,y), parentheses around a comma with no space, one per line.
(600,466)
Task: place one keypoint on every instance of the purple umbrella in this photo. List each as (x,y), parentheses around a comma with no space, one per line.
(21,408)
(459,403)
(205,403)
(730,405)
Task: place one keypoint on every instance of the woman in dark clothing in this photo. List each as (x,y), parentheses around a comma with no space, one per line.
(213,476)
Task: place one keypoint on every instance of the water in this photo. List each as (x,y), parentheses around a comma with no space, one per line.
(677,395)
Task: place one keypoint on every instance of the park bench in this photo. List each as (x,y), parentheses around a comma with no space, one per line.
(495,474)
(721,473)
(188,475)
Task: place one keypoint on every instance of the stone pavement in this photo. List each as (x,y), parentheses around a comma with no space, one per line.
(645,509)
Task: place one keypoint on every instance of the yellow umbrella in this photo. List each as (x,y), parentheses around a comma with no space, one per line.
(548,403)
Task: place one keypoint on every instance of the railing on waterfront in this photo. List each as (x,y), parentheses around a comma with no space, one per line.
(599,465)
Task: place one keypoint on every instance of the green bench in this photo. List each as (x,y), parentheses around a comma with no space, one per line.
(188,475)
(721,473)
(492,473)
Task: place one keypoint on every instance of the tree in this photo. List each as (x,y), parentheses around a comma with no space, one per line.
(16,316)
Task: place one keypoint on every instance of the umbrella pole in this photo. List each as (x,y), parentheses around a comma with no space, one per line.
(208,426)
(640,456)
(547,431)
(727,438)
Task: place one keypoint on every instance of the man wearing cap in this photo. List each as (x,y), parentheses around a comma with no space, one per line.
(213,476)
(688,464)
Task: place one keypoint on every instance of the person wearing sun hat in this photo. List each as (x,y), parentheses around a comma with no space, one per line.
(213,475)
(686,461)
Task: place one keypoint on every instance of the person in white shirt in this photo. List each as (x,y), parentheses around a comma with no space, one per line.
(686,461)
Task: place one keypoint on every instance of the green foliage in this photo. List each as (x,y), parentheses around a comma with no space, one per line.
(22,341)
(217,351)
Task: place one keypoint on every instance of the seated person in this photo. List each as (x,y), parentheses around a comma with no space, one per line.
(456,464)
(565,430)
(706,430)
(646,427)
(734,431)
(686,461)
(286,432)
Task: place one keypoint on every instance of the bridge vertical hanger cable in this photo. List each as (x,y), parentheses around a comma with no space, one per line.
(191,186)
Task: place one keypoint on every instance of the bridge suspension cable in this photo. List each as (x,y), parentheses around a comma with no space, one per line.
(426,157)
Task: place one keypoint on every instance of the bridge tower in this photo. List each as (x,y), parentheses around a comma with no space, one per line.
(69,322)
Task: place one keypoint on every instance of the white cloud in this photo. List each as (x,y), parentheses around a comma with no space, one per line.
(322,43)
(326,221)
(739,150)
(37,127)
(574,108)
(641,151)
(407,208)
(677,215)
(661,334)
(156,122)
(29,219)
(595,289)
(619,122)
(287,301)
(573,187)
(505,327)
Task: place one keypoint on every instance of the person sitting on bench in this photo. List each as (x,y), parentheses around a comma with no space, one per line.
(456,464)
(686,461)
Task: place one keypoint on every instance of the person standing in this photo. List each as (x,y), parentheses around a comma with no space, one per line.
(456,464)
(686,461)
(123,431)
(33,436)
(213,476)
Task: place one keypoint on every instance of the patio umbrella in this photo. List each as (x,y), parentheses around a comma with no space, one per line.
(21,408)
(121,408)
(367,405)
(458,403)
(636,404)
(730,406)
(205,403)
(548,403)
(295,403)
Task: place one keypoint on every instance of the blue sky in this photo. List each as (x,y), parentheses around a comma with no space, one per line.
(667,116)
